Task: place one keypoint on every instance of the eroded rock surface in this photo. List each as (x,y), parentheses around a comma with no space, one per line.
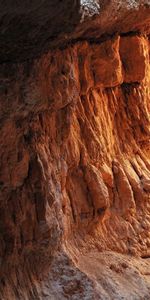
(75,165)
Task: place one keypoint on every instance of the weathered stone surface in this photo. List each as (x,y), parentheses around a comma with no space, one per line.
(74,160)
(97,189)
(106,64)
(134,56)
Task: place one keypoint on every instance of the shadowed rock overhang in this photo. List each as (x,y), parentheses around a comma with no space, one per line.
(29,28)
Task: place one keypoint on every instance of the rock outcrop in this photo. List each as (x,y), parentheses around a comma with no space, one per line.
(74,150)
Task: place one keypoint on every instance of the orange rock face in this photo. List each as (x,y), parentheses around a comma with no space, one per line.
(106,64)
(134,55)
(75,164)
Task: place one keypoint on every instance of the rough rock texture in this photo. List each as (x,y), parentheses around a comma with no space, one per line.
(29,28)
(75,162)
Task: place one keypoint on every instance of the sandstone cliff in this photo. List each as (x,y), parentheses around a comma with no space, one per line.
(75,151)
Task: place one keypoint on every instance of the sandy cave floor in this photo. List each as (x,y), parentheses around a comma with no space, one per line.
(99,276)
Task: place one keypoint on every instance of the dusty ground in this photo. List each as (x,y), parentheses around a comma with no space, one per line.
(118,276)
(98,276)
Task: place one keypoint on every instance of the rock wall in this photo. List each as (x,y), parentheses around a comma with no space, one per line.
(74,160)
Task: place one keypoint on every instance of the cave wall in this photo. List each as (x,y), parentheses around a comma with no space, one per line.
(74,157)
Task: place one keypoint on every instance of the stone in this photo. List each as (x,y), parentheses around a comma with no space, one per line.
(74,150)
(133,52)
(106,64)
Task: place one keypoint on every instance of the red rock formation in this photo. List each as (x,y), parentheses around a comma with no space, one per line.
(75,167)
